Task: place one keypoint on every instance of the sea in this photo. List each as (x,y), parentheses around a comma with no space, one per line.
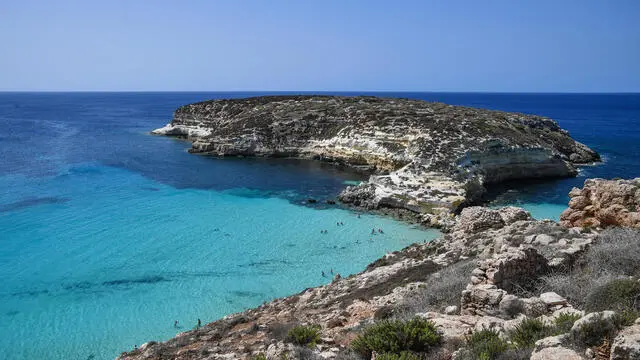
(109,235)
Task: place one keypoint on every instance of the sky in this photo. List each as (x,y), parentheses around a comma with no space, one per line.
(322,45)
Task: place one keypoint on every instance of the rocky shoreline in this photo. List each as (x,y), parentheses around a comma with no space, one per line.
(497,285)
(428,158)
(484,275)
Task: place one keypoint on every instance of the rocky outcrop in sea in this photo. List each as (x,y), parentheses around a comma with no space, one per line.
(545,291)
(428,158)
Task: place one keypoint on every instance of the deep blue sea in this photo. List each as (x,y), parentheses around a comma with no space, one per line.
(108,235)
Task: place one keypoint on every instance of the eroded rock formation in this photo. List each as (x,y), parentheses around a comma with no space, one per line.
(602,203)
(429,158)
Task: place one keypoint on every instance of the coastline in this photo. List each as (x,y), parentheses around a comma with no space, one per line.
(390,272)
(487,258)
(166,162)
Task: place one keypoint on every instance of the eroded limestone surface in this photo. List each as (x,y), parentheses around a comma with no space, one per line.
(602,203)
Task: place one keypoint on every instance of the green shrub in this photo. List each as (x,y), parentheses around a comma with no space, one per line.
(307,335)
(260,356)
(626,317)
(405,355)
(617,295)
(395,336)
(525,334)
(486,344)
(564,322)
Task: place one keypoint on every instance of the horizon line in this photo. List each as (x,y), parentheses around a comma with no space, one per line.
(330,92)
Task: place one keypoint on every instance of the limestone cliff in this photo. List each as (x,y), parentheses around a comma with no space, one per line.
(426,157)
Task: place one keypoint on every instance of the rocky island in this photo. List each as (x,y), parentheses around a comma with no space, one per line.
(428,158)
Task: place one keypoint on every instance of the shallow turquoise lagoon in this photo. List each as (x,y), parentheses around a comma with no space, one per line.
(98,259)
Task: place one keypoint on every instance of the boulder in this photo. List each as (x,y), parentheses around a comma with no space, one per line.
(511,305)
(482,299)
(551,341)
(451,310)
(627,344)
(552,299)
(555,353)
(603,321)
(478,218)
(511,214)
(534,306)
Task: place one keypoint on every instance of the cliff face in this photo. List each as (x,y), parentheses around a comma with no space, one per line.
(426,157)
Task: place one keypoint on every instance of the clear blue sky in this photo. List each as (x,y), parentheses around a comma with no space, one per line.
(473,45)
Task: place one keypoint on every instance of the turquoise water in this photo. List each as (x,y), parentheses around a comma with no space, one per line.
(105,259)
(539,210)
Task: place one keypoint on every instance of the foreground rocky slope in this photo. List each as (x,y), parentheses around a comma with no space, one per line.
(428,158)
(495,273)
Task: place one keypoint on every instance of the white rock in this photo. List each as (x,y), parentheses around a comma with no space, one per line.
(604,320)
(555,353)
(551,341)
(543,239)
(551,298)
(627,344)
(181,130)
(451,310)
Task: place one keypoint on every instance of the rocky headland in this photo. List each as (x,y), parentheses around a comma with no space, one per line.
(499,285)
(428,158)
